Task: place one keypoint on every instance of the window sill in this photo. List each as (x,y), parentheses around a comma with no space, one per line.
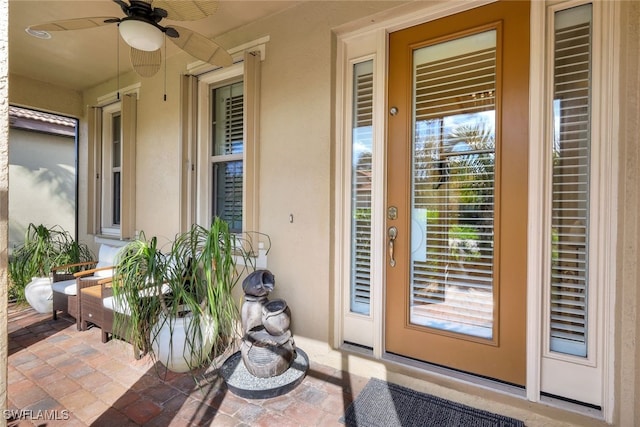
(109,239)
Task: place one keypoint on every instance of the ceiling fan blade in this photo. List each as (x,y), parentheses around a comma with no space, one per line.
(187,10)
(75,24)
(145,63)
(124,6)
(201,47)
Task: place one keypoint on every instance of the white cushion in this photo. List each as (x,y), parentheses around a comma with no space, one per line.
(104,273)
(67,287)
(108,254)
(107,258)
(120,305)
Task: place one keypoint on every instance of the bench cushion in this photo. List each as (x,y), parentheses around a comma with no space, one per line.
(120,305)
(67,287)
(107,258)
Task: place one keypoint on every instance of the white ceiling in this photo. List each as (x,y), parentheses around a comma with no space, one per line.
(84,58)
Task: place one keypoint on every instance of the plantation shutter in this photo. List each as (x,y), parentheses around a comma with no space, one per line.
(362,142)
(188,133)
(251,90)
(570,194)
(234,141)
(112,196)
(94,163)
(453,185)
(128,168)
(229,148)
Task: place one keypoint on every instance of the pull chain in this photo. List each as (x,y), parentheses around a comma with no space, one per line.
(165,67)
(118,65)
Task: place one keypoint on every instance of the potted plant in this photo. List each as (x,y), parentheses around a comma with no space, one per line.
(139,267)
(181,303)
(31,263)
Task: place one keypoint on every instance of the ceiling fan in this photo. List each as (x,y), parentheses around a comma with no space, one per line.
(141,30)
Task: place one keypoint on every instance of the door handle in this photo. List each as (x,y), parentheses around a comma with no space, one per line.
(393,233)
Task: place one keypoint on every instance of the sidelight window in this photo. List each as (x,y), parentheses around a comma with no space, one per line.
(361,179)
(570,153)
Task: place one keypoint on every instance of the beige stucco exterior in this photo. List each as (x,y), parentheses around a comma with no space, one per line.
(54,99)
(296,178)
(42,176)
(628,267)
(4,196)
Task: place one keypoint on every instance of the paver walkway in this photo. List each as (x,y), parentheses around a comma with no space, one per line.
(56,371)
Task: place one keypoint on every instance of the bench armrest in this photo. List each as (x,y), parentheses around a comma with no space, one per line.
(76,264)
(107,289)
(92,271)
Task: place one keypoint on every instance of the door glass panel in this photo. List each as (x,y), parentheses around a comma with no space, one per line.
(452,231)
(361,174)
(570,196)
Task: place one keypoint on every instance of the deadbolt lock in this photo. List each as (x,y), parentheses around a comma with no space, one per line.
(392,213)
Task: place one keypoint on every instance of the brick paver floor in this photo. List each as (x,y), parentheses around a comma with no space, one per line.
(55,371)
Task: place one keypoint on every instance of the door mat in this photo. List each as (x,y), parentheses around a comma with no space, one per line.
(383,404)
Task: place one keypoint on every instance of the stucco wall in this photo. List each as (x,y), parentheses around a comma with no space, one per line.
(296,131)
(4,197)
(296,140)
(44,96)
(42,182)
(628,269)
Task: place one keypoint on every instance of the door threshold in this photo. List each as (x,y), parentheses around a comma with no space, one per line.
(459,376)
(454,379)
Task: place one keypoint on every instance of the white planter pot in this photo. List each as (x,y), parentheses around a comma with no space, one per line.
(171,346)
(39,294)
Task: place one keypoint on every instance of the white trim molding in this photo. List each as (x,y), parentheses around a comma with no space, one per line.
(368,38)
(116,96)
(544,369)
(237,54)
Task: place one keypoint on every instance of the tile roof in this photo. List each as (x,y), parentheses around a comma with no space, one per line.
(25,113)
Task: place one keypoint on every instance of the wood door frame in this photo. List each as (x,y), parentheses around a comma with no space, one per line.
(504,355)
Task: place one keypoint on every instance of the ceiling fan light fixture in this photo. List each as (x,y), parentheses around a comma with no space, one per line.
(141,35)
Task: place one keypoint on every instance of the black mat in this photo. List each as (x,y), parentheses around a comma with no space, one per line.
(383,404)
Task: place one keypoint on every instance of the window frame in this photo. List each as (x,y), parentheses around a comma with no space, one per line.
(108,226)
(100,187)
(553,373)
(223,159)
(350,326)
(246,70)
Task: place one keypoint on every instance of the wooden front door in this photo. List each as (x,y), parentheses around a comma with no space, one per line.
(457,156)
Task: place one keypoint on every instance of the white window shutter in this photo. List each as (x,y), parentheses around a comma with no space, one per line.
(570,191)
(128,187)
(361,176)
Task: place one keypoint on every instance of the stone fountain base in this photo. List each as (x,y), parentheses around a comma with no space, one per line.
(244,384)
